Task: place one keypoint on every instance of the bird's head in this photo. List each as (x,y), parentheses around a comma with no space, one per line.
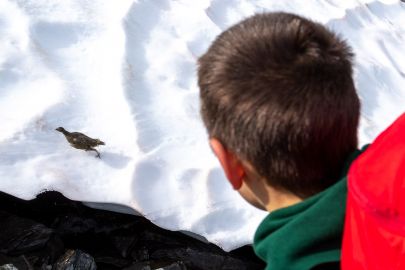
(60,129)
(99,142)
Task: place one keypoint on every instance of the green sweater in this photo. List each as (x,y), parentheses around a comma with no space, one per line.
(307,234)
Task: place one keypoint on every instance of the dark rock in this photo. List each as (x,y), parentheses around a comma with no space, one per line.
(75,259)
(139,266)
(19,263)
(140,254)
(30,235)
(197,259)
(44,229)
(174,266)
(157,266)
(21,236)
(112,262)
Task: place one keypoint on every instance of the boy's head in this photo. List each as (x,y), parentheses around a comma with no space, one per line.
(277,94)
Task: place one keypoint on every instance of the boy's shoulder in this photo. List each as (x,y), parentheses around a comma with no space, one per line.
(304,235)
(375,207)
(308,234)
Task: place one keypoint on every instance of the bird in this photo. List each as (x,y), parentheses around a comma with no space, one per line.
(81,141)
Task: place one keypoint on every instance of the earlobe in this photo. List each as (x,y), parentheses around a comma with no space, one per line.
(237,179)
(230,163)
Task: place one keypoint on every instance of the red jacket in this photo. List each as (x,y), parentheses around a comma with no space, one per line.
(374,232)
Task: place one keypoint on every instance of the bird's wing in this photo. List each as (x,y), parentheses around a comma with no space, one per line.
(80,138)
(78,134)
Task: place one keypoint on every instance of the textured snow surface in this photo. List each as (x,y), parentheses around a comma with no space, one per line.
(124,71)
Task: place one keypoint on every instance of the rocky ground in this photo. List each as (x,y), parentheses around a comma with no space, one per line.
(52,232)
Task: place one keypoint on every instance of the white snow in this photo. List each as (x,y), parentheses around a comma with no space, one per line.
(124,71)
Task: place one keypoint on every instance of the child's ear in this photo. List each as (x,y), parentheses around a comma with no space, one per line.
(230,163)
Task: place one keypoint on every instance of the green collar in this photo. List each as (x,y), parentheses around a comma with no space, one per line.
(306,234)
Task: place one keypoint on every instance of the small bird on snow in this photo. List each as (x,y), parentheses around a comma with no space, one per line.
(80,141)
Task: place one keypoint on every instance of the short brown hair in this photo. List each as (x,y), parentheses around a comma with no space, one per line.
(277,90)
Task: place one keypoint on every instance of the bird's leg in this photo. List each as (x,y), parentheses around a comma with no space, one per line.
(92,149)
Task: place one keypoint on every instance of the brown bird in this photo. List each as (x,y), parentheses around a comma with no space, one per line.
(80,141)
